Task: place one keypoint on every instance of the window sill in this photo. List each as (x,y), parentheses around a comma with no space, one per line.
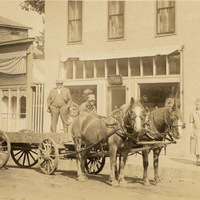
(116,40)
(165,35)
(74,43)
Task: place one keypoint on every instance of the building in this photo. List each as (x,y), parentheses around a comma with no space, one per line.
(20,95)
(153,45)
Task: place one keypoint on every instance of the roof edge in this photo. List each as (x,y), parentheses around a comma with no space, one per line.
(24,40)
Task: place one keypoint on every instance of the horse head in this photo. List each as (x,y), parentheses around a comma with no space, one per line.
(136,115)
(175,123)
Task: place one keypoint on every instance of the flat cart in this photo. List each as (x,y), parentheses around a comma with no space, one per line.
(28,148)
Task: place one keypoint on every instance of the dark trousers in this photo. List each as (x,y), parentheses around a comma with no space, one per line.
(55,112)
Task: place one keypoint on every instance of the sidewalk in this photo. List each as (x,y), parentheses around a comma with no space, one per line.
(170,167)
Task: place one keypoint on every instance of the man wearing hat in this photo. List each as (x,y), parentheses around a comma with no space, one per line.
(89,105)
(58,102)
(195,132)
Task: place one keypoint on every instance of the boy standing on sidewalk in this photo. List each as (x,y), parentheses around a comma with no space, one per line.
(195,132)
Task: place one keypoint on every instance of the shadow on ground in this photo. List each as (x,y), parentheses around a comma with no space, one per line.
(184,161)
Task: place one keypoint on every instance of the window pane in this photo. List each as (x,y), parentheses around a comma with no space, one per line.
(147,66)
(75,31)
(166,20)
(135,66)
(75,9)
(79,69)
(89,68)
(174,64)
(23,107)
(13,95)
(100,66)
(164,4)
(123,66)
(160,65)
(69,69)
(116,26)
(111,64)
(116,7)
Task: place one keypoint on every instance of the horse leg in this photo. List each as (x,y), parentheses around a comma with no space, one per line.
(80,174)
(156,153)
(113,152)
(145,155)
(122,164)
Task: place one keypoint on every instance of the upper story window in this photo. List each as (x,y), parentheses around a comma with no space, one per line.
(74,21)
(165,17)
(115,19)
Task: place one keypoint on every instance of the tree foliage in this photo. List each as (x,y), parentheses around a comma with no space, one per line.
(34,5)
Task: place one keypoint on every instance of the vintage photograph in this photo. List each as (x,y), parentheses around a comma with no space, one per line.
(99,99)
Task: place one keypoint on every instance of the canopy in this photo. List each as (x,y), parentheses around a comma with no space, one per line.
(128,54)
(13,63)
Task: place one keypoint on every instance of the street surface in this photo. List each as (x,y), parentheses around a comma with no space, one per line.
(30,184)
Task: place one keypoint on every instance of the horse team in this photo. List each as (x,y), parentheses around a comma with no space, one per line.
(122,130)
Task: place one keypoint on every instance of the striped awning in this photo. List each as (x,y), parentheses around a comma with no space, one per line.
(13,63)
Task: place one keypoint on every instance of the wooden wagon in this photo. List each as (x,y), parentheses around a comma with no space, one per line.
(28,148)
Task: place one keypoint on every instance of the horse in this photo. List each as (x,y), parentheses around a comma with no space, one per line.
(88,129)
(162,122)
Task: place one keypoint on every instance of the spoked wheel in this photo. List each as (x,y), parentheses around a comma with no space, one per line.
(24,155)
(94,165)
(4,149)
(48,156)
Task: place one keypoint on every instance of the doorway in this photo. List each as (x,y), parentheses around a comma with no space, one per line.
(116,97)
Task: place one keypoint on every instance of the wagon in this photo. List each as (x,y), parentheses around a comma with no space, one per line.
(28,148)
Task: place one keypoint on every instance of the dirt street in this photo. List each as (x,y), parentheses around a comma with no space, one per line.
(30,184)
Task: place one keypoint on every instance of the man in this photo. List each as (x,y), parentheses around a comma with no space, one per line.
(89,105)
(86,92)
(195,132)
(58,103)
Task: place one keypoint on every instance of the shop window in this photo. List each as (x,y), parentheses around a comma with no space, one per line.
(123,66)
(79,69)
(14,107)
(116,19)
(69,69)
(165,17)
(100,67)
(147,66)
(160,62)
(23,107)
(174,64)
(135,66)
(74,21)
(111,66)
(89,69)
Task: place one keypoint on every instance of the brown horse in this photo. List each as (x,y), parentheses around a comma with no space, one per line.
(88,129)
(162,122)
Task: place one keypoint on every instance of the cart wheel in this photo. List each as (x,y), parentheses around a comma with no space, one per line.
(4,149)
(48,156)
(24,155)
(94,165)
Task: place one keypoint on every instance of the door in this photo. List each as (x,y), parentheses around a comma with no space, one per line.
(116,97)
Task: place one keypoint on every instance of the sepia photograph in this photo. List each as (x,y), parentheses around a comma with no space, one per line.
(99,99)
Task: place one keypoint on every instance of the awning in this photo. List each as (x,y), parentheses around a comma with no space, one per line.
(128,54)
(13,63)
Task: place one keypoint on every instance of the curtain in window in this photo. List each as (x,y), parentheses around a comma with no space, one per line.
(116,19)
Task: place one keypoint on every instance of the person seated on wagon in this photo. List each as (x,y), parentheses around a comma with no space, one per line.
(89,105)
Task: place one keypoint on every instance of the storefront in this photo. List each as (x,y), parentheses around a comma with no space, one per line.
(151,73)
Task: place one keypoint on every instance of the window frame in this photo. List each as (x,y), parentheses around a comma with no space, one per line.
(78,19)
(156,18)
(108,21)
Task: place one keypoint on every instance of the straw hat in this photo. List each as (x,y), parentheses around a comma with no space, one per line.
(59,81)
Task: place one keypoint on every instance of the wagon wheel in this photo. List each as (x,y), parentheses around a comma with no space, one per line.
(4,149)
(94,165)
(48,156)
(24,155)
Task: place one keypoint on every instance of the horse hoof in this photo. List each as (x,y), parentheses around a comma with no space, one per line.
(82,178)
(147,183)
(114,183)
(123,183)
